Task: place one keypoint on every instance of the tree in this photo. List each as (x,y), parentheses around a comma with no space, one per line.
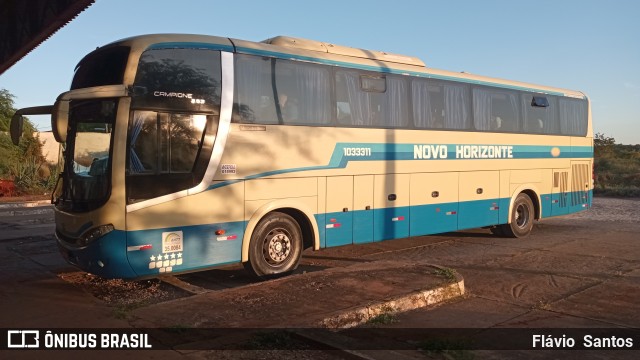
(603,145)
(6,109)
(24,161)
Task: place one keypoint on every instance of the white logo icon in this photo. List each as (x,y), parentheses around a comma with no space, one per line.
(21,339)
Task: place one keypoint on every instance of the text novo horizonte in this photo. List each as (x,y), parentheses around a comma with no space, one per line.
(463,151)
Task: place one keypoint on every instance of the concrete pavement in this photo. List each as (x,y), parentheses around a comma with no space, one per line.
(580,271)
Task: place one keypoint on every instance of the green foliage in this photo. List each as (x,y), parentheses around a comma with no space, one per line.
(6,109)
(603,145)
(382,319)
(447,273)
(25,174)
(617,167)
(23,163)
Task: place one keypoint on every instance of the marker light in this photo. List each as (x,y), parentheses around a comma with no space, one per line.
(94,234)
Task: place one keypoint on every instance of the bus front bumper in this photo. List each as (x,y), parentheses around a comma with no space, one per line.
(105,256)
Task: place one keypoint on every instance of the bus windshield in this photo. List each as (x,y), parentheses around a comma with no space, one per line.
(86,181)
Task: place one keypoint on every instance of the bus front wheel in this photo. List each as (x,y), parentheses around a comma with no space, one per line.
(522,216)
(275,246)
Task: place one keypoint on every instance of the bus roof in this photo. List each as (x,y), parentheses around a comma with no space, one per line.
(313,45)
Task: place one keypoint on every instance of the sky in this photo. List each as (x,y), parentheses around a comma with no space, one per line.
(591,46)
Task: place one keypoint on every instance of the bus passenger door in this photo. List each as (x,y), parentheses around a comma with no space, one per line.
(560,193)
(479,199)
(363,209)
(391,204)
(339,212)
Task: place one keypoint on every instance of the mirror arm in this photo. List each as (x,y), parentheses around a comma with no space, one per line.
(17,121)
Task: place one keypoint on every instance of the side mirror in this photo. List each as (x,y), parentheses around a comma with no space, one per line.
(16,127)
(17,122)
(60,120)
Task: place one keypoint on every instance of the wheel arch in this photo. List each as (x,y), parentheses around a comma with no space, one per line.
(534,195)
(299,211)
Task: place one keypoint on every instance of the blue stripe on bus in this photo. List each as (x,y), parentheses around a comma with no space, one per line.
(380,152)
(191,45)
(202,248)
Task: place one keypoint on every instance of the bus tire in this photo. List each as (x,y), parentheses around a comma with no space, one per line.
(275,246)
(522,216)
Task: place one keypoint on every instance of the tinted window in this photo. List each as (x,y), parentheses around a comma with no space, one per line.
(303,93)
(361,102)
(101,67)
(272,91)
(87,181)
(255,100)
(573,117)
(440,105)
(540,119)
(178,79)
(168,152)
(495,110)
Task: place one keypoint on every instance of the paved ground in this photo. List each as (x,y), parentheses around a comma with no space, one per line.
(578,271)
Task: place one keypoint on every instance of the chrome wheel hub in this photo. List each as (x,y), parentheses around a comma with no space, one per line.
(522,216)
(277,246)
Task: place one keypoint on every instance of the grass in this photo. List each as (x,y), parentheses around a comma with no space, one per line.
(447,273)
(382,319)
(385,317)
(616,168)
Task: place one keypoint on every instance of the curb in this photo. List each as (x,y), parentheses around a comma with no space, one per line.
(25,204)
(26,208)
(360,315)
(411,301)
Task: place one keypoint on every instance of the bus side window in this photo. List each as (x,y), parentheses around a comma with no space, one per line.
(495,110)
(371,100)
(304,93)
(428,104)
(167,152)
(540,114)
(255,102)
(347,95)
(504,112)
(573,117)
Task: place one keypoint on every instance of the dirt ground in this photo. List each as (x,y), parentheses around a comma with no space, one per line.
(576,271)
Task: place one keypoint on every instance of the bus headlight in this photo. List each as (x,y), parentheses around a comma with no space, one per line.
(95,233)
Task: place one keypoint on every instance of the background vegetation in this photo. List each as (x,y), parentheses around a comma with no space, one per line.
(24,164)
(617,167)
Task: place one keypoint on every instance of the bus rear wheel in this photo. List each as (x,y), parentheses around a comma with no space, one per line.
(522,216)
(275,246)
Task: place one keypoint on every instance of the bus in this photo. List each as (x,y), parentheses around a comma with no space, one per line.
(187,152)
